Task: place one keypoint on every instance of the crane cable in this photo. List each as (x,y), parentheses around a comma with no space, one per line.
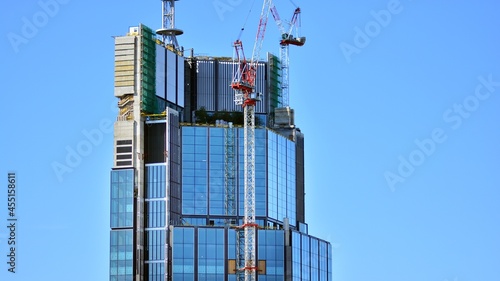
(246,20)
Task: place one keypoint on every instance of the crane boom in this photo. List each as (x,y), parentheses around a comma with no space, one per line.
(264,16)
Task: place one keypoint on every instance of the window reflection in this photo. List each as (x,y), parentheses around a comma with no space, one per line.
(122,198)
(121,249)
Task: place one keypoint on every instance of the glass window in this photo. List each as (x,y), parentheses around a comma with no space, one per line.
(156,271)
(122,198)
(121,248)
(194,171)
(323,261)
(183,253)
(155,241)
(281,178)
(314,259)
(194,221)
(271,249)
(156,181)
(211,254)
(296,256)
(155,213)
(216,132)
(306,258)
(188,131)
(329,261)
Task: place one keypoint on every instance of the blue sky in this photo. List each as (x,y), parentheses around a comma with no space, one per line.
(398,101)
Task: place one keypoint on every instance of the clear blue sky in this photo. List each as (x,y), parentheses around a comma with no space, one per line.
(398,101)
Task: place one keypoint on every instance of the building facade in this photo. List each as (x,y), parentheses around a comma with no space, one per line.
(177,177)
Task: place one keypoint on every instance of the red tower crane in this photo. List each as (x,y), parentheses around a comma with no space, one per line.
(243,83)
(287,39)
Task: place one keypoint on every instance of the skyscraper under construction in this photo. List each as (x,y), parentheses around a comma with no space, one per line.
(177,182)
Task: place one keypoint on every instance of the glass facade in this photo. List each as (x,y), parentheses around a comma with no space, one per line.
(155,233)
(211,258)
(281,178)
(203,173)
(121,236)
(155,254)
(203,247)
(311,258)
(216,172)
(122,198)
(155,181)
(231,251)
(271,249)
(194,171)
(200,252)
(121,255)
(156,196)
(183,254)
(324,260)
(260,172)
(155,271)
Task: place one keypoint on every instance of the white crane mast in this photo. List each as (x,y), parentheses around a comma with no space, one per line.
(244,85)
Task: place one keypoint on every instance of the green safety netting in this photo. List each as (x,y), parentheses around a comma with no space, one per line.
(275,81)
(148,70)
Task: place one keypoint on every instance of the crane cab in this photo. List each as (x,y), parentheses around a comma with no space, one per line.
(289,39)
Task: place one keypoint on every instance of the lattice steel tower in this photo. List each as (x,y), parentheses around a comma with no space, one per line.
(168,30)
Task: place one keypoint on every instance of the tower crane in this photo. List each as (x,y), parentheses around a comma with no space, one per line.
(287,39)
(243,83)
(168,30)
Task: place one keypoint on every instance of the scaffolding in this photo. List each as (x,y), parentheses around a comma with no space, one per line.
(230,172)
